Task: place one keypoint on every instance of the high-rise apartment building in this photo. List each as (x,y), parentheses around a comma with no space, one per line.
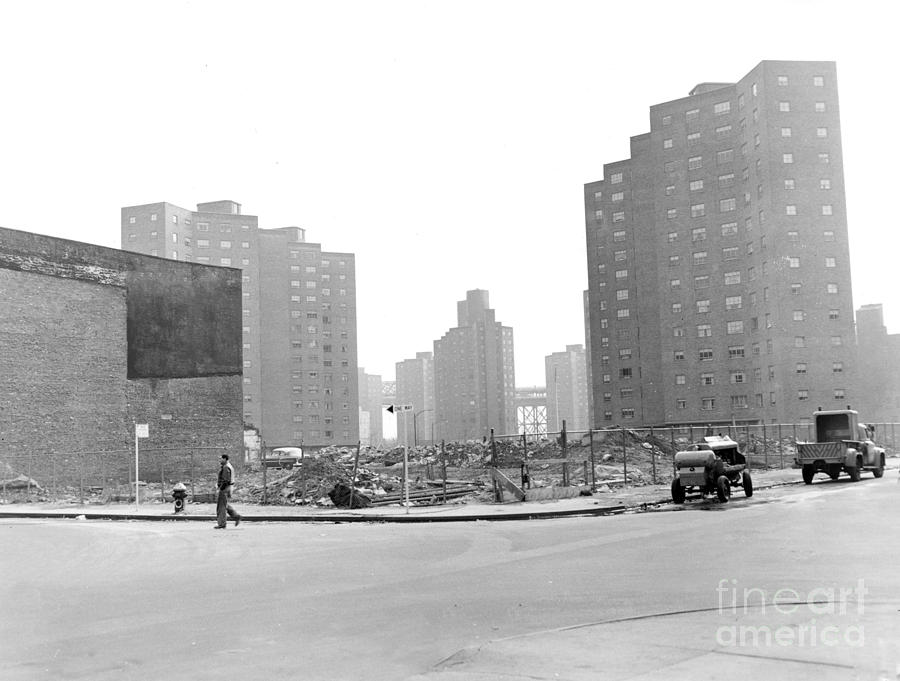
(299,315)
(371,429)
(718,260)
(474,374)
(415,386)
(567,389)
(878,399)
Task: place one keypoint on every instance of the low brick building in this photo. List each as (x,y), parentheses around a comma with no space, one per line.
(94,340)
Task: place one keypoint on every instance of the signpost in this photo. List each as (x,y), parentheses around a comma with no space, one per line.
(395,408)
(140,430)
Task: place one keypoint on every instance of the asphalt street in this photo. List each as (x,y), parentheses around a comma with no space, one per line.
(795,582)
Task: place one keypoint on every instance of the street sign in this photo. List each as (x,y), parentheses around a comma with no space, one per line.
(142,430)
(394,408)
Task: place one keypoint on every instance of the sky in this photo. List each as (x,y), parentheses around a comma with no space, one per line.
(445,144)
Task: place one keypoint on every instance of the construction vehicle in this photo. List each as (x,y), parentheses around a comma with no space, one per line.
(842,444)
(713,466)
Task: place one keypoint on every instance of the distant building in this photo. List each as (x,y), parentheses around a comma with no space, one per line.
(567,389)
(95,340)
(299,315)
(718,259)
(474,374)
(879,367)
(415,386)
(370,397)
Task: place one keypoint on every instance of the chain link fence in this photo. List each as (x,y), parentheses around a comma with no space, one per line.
(108,476)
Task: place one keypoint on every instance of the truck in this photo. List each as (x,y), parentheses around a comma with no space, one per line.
(713,466)
(842,443)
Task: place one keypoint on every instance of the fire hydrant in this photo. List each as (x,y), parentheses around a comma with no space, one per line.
(179,494)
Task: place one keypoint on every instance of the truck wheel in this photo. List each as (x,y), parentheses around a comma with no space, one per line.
(723,488)
(748,484)
(853,471)
(808,473)
(677,492)
(878,472)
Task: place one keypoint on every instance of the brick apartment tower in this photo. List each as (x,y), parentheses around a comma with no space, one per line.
(299,315)
(567,389)
(371,430)
(879,364)
(718,260)
(415,386)
(474,374)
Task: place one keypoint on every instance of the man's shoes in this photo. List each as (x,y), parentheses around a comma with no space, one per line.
(218,527)
(237,521)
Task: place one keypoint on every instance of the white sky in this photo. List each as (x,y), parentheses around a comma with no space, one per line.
(444,143)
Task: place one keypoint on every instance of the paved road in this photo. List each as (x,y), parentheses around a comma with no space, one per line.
(644,596)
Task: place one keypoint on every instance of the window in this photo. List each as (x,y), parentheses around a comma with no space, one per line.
(701,281)
(723,131)
(793,236)
(696,185)
(834,315)
(782,80)
(670,166)
(623,313)
(800,368)
(622,294)
(607,397)
(787,158)
(799,341)
(733,302)
(621,274)
(827,209)
(724,156)
(705,355)
(698,210)
(702,306)
(667,143)
(729,229)
(673,237)
(618,256)
(678,355)
(700,257)
(598,215)
(695,162)
(837,367)
(680,379)
(625,372)
(224,244)
(618,216)
(824,183)
(615,178)
(619,235)
(829,262)
(736,352)
(839,394)
(625,353)
(739,402)
(820,107)
(735,327)
(726,180)
(824,158)
(681,404)
(693,136)
(670,189)
(836,340)
(707,379)
(730,253)
(671,214)
(667,120)
(692,115)
(607,416)
(793,262)
(789,184)
(617,196)
(152,217)
(674,260)
(674,283)
(828,235)
(784,107)
(721,108)
(732,278)
(821,132)
(799,315)
(727,205)
(790,209)
(698,234)
(803,394)
(785,132)
(818,81)
(676,308)
(708,403)
(704,330)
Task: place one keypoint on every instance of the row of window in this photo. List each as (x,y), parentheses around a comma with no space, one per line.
(314,435)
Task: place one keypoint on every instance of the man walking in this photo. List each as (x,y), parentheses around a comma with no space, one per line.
(223,499)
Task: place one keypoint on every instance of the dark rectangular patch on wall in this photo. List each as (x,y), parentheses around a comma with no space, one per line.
(184,319)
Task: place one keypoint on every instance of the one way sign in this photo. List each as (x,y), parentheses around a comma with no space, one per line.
(394,408)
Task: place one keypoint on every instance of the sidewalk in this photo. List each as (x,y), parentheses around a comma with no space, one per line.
(618,499)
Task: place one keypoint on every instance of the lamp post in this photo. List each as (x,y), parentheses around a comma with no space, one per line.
(415,433)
